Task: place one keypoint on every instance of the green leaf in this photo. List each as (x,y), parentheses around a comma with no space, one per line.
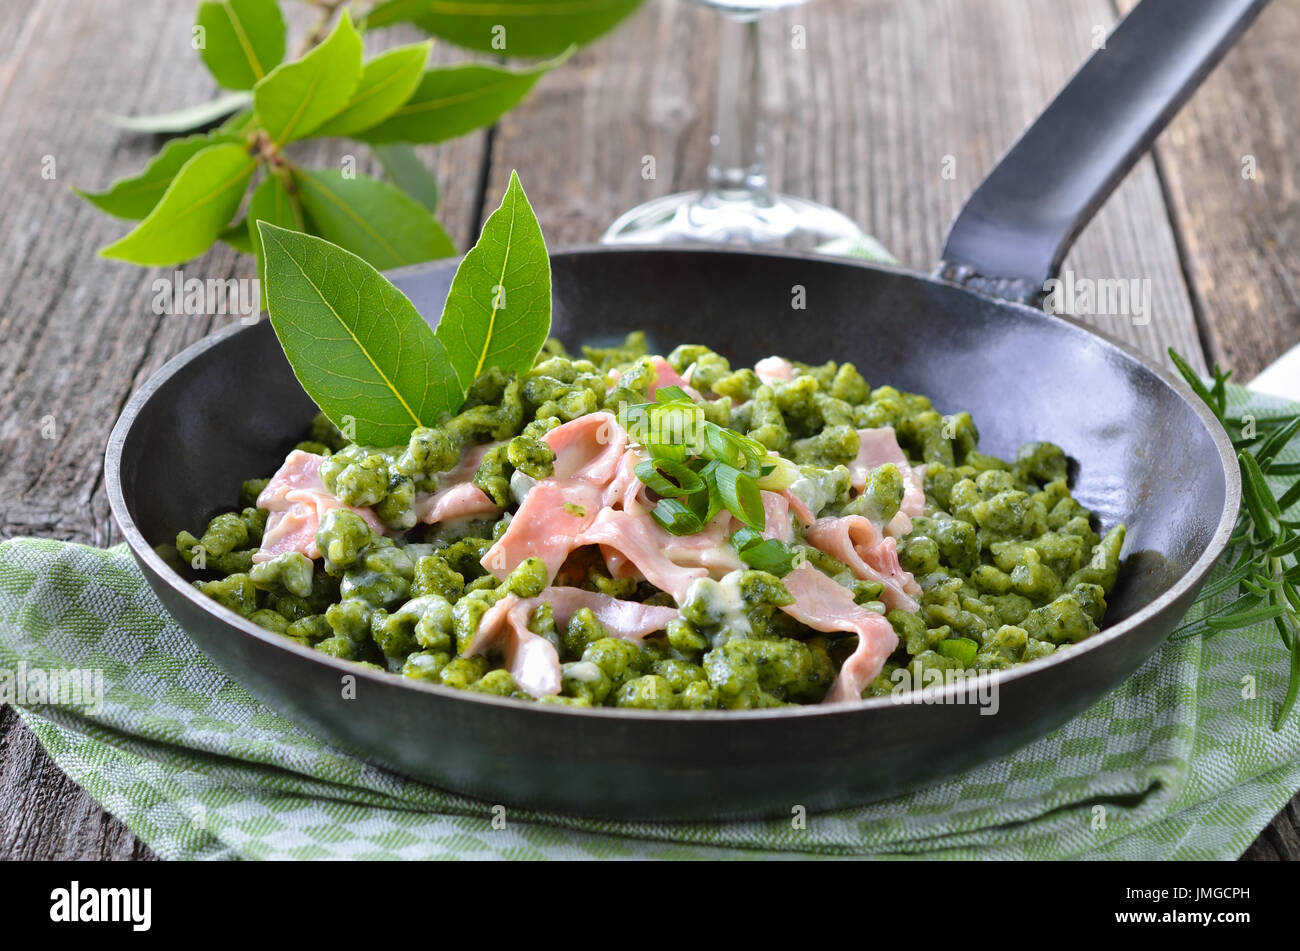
(512,27)
(296,98)
(405,169)
(357,345)
(192,213)
(243,40)
(371,218)
(1274,443)
(387,81)
(238,238)
(498,311)
(271,202)
(182,120)
(453,100)
(136,195)
(237,123)
(1193,379)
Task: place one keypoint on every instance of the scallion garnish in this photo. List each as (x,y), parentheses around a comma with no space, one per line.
(669,478)
(765,554)
(700,467)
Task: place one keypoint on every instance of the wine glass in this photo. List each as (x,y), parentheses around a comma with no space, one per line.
(736,206)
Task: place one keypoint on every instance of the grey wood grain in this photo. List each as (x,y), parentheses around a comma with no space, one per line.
(78,333)
(1232,179)
(866,118)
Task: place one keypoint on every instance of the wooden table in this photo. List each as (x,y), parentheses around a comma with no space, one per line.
(865,118)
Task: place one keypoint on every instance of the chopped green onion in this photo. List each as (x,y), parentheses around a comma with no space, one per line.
(676,517)
(765,554)
(740,495)
(725,447)
(781,474)
(668,477)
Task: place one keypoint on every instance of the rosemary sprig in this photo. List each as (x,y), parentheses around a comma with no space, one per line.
(1265,542)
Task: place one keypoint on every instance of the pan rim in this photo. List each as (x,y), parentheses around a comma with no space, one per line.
(145,553)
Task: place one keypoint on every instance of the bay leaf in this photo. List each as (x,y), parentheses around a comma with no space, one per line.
(453,100)
(498,311)
(356,344)
(296,98)
(185,119)
(135,196)
(386,82)
(514,28)
(196,207)
(373,219)
(243,40)
(405,169)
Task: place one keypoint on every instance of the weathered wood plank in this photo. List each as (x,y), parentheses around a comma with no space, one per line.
(79,335)
(867,117)
(1233,183)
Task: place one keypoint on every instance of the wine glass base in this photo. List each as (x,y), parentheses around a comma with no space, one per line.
(768,221)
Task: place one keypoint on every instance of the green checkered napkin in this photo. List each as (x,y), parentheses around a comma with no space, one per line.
(1179,762)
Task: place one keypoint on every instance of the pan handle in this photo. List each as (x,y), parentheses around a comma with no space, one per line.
(1013,233)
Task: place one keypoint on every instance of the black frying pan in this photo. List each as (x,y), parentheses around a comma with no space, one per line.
(1149,454)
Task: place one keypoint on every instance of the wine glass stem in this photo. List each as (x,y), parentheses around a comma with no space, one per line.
(736,164)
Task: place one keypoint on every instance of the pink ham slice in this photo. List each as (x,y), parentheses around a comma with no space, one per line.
(297,500)
(825,605)
(558,509)
(877,447)
(531,659)
(625,490)
(858,543)
(665,375)
(776,510)
(636,546)
(797,506)
(457,497)
(774,370)
(628,620)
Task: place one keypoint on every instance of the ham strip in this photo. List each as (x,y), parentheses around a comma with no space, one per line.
(297,500)
(774,370)
(557,510)
(858,543)
(877,447)
(457,496)
(641,544)
(628,620)
(665,375)
(531,659)
(776,510)
(825,605)
(797,506)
